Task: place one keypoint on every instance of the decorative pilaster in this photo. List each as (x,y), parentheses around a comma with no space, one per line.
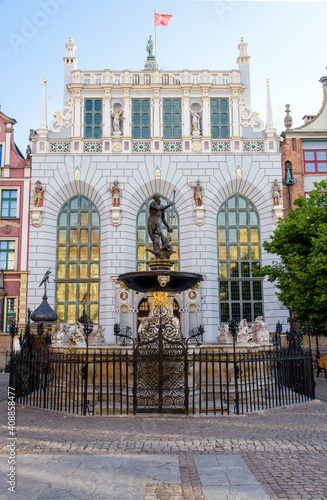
(106,114)
(127,114)
(156,101)
(206,132)
(235,118)
(186,124)
(77,114)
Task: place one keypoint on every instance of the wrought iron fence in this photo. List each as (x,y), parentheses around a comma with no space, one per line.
(102,382)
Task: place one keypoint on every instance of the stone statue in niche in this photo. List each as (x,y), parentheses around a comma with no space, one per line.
(197,193)
(196,121)
(116,114)
(115,191)
(38,194)
(155,220)
(276,193)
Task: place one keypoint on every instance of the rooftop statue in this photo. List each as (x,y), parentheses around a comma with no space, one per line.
(149,46)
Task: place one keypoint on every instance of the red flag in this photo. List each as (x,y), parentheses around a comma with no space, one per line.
(161,19)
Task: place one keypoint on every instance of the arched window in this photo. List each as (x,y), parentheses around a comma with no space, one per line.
(143,238)
(78,254)
(238,252)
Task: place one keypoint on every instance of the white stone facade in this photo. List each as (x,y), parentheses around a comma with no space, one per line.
(246,163)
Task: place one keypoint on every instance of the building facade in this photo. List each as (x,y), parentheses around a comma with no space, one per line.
(15,180)
(122,136)
(304,152)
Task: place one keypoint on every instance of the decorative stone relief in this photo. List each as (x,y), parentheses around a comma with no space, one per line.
(172,147)
(255,146)
(220,146)
(59,147)
(4,223)
(92,147)
(196,146)
(61,119)
(141,147)
(250,118)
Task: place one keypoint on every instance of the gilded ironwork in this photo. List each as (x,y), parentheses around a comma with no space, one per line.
(161,366)
(160,299)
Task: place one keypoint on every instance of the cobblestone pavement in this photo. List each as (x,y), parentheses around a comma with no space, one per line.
(285,449)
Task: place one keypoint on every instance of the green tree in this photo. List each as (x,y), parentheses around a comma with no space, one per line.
(300,273)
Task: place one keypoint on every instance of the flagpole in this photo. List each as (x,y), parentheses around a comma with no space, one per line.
(155,36)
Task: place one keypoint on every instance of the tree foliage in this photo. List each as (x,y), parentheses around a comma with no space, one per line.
(300,273)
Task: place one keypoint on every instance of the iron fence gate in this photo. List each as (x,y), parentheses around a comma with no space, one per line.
(160,373)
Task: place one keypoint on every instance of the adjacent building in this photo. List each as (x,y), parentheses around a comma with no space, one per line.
(122,136)
(304,152)
(15,180)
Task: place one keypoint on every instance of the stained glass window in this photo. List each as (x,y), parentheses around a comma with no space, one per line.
(238,252)
(78,256)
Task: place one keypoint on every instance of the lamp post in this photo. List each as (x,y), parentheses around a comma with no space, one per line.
(87,329)
(13,332)
(277,339)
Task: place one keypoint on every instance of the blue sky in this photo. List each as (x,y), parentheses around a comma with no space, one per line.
(287,44)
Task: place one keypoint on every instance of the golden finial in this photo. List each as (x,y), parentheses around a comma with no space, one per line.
(267,81)
(242,39)
(45,80)
(70,39)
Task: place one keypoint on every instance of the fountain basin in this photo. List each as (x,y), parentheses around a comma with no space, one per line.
(148,281)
